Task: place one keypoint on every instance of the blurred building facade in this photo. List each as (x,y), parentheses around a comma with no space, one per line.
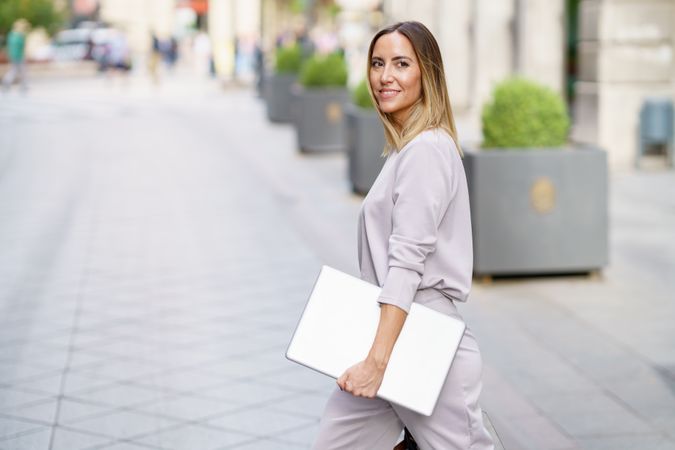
(138,20)
(604,56)
(484,42)
(625,55)
(225,21)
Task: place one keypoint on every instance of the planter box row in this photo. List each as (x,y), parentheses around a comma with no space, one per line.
(533,211)
(326,121)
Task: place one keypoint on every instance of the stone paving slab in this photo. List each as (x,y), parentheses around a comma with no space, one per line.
(157,249)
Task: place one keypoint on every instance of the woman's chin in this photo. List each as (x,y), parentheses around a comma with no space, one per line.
(388,109)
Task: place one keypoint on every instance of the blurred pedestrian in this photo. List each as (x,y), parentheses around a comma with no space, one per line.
(115,56)
(201,48)
(259,64)
(120,54)
(155,58)
(303,39)
(415,242)
(170,51)
(16,51)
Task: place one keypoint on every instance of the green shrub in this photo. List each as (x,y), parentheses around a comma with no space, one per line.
(324,71)
(39,13)
(524,114)
(361,96)
(288,59)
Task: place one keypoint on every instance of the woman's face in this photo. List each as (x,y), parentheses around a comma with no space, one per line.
(395,75)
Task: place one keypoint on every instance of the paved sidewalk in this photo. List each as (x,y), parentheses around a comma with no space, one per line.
(157,249)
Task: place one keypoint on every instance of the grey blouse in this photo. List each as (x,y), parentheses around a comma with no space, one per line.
(415,225)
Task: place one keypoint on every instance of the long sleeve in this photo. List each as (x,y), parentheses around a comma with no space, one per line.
(422,192)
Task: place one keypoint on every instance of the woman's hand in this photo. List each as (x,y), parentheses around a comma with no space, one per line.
(362,379)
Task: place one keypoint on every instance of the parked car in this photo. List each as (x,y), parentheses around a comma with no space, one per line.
(84,43)
(72,45)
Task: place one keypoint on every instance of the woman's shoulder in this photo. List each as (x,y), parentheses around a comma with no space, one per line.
(435,140)
(438,136)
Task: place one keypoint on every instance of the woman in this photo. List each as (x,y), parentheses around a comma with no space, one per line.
(16,51)
(415,242)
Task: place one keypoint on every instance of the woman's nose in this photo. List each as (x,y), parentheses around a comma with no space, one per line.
(386,75)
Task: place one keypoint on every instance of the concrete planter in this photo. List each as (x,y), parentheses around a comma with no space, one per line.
(294,113)
(278,96)
(538,210)
(365,142)
(320,119)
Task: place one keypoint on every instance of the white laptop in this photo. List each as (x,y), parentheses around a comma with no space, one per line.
(338,326)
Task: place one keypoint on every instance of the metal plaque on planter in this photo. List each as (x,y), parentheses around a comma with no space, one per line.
(334,112)
(542,195)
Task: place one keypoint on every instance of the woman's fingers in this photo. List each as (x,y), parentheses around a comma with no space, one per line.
(358,381)
(341,381)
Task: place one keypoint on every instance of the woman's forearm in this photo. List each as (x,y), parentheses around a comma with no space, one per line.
(392,319)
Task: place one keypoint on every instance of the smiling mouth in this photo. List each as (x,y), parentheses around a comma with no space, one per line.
(388,93)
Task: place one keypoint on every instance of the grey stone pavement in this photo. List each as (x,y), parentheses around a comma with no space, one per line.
(157,245)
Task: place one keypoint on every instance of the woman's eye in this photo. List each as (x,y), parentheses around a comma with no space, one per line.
(403,64)
(377,64)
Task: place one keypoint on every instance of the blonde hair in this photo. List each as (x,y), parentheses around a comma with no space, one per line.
(432,109)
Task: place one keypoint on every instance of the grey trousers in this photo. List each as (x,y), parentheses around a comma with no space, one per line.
(358,423)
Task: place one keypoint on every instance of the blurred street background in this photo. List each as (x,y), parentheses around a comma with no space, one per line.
(159,234)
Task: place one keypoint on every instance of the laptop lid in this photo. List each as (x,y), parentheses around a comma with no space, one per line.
(338,326)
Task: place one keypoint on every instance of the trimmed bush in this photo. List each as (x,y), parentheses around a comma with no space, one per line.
(288,59)
(39,13)
(361,96)
(524,114)
(324,71)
